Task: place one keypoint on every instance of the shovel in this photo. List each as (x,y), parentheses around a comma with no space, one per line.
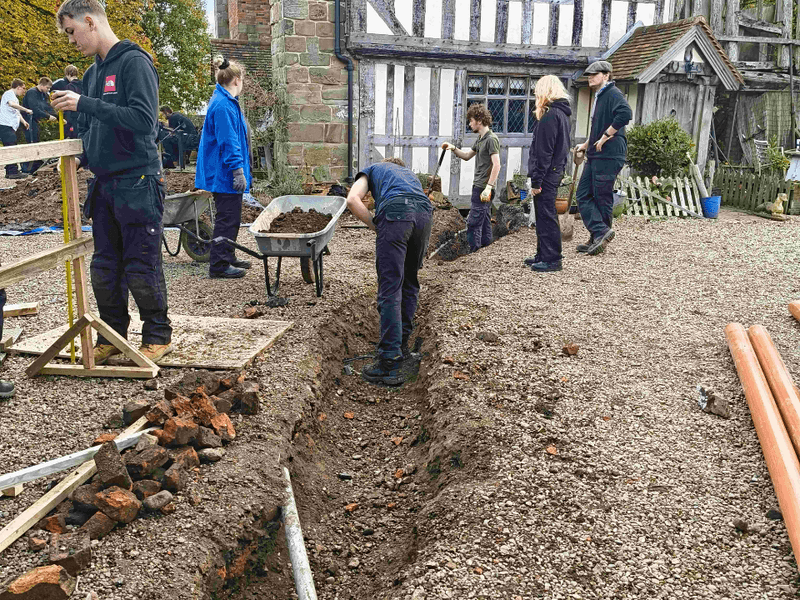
(436,171)
(568,224)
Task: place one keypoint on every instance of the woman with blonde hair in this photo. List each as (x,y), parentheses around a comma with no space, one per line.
(223,165)
(550,147)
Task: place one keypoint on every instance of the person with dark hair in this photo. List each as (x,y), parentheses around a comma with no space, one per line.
(37,99)
(487,168)
(550,145)
(181,125)
(403,219)
(118,116)
(223,166)
(69,82)
(10,119)
(607,150)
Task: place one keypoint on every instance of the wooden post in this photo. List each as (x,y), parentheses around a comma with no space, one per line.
(501,22)
(527,20)
(433,123)
(459,86)
(366,117)
(732,28)
(408,111)
(418,19)
(448,19)
(474,20)
(577,22)
(390,109)
(552,35)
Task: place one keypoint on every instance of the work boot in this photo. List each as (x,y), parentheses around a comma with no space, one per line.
(584,248)
(230,273)
(155,352)
(599,246)
(385,371)
(544,267)
(530,260)
(7,389)
(102,352)
(241,264)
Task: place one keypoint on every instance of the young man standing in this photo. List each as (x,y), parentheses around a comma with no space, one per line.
(403,217)
(37,100)
(607,149)
(70,82)
(10,119)
(118,116)
(487,168)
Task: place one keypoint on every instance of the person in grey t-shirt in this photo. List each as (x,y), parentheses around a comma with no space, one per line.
(487,168)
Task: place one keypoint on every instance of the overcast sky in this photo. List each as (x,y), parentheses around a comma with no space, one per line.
(210,16)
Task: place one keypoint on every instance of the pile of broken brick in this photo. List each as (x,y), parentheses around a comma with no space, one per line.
(193,426)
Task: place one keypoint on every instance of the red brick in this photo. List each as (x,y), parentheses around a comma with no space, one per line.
(199,406)
(305,28)
(134,410)
(248,401)
(298,75)
(305,132)
(335,133)
(83,498)
(318,11)
(98,526)
(54,524)
(179,431)
(118,504)
(160,413)
(51,582)
(327,44)
(102,439)
(206,438)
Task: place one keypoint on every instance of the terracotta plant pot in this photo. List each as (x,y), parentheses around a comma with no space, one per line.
(562,205)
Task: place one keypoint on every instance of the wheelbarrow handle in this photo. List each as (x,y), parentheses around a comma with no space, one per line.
(224,240)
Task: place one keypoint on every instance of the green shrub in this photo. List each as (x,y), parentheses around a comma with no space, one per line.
(659,148)
(774,160)
(285,181)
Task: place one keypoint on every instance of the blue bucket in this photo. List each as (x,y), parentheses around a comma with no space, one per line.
(711,206)
(523,194)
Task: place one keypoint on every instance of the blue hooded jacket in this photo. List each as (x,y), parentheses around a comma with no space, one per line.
(223,146)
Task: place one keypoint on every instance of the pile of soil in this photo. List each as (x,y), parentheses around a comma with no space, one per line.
(298,221)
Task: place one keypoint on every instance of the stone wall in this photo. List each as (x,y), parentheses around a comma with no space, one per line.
(221,16)
(249,20)
(313,82)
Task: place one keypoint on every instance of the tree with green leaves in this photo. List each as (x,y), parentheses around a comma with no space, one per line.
(178,31)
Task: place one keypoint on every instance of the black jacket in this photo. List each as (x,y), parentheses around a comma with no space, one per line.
(182,123)
(611,109)
(76,85)
(39,103)
(118,119)
(550,143)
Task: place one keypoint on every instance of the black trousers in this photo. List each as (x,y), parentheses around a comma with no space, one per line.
(548,232)
(228,218)
(32,137)
(9,138)
(126,224)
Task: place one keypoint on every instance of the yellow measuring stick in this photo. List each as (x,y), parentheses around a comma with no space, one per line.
(67,236)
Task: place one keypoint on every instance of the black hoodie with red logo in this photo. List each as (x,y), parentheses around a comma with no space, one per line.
(118,110)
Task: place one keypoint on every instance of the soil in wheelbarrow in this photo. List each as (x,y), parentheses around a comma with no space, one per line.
(298,221)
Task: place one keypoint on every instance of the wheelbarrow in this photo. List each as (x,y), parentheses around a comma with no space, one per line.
(183,211)
(309,247)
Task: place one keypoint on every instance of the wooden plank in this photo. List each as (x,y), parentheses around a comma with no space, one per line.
(58,346)
(475,20)
(577,22)
(634,200)
(389,110)
(139,359)
(100,371)
(662,200)
(448,19)
(385,10)
(433,117)
(10,338)
(21,309)
(731,29)
(758,40)
(683,201)
(63,463)
(501,176)
(552,31)
(366,115)
(409,74)
(358,14)
(44,261)
(13,491)
(674,197)
(11,532)
(418,19)
(605,22)
(459,86)
(527,20)
(41,151)
(501,22)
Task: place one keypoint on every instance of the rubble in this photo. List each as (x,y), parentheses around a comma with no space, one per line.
(51,583)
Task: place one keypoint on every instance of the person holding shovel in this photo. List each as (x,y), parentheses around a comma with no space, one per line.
(223,166)
(403,219)
(118,123)
(10,120)
(487,168)
(550,147)
(606,150)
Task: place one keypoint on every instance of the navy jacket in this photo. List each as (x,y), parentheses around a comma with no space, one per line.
(224,145)
(611,109)
(39,103)
(395,186)
(118,119)
(550,143)
(182,122)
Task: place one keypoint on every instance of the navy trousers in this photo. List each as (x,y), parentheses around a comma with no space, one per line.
(127,217)
(596,194)
(403,235)
(479,221)
(9,138)
(227,219)
(32,137)
(548,232)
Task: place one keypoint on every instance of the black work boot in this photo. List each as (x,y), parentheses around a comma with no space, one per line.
(385,371)
(584,248)
(7,389)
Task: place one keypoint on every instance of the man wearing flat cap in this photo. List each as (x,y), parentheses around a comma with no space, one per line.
(605,151)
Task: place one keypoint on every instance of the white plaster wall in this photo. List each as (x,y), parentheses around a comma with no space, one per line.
(399,99)
(380,99)
(461,24)
(404,11)
(488,19)
(374,22)
(422,101)
(419,160)
(514,23)
(646,13)
(514,162)
(447,81)
(590,35)
(565,14)
(467,174)
(541,18)
(618,21)
(584,106)
(433,19)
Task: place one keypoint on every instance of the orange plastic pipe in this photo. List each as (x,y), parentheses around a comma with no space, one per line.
(779,454)
(794,308)
(780,382)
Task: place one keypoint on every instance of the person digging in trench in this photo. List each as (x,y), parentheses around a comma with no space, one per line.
(118,123)
(403,219)
(487,168)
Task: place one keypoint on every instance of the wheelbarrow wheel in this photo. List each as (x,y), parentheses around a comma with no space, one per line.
(199,251)
(306,270)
